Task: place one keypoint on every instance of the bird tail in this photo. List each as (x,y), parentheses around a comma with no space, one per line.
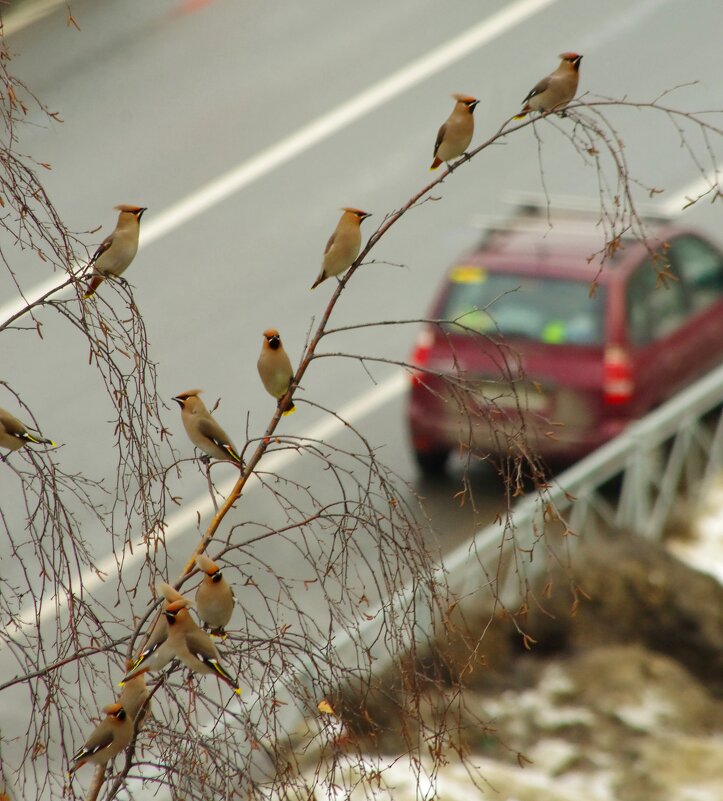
(288,407)
(79,758)
(435,163)
(522,114)
(40,440)
(96,281)
(223,674)
(321,278)
(133,670)
(232,453)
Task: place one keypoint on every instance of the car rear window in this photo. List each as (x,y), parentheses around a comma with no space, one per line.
(555,311)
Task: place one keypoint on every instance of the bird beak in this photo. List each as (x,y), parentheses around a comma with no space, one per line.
(179,401)
(364,216)
(140,213)
(473,106)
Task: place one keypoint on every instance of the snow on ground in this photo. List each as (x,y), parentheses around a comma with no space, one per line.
(704,549)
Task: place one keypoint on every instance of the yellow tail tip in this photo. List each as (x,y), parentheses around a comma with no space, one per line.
(237,690)
(289,411)
(520,116)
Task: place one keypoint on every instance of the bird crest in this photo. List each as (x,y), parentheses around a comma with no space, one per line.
(136,210)
(362,215)
(206,565)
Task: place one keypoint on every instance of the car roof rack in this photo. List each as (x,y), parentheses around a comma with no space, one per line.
(558,214)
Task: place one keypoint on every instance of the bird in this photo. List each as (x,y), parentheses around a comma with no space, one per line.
(13,434)
(275,368)
(155,654)
(455,135)
(108,739)
(192,646)
(556,90)
(134,694)
(203,431)
(343,245)
(214,596)
(118,249)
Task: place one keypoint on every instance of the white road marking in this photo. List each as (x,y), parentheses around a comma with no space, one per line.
(309,135)
(186,519)
(15,19)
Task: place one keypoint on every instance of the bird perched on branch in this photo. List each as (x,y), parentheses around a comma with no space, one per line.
(455,135)
(108,739)
(203,431)
(556,90)
(13,434)
(275,368)
(155,655)
(134,695)
(343,245)
(192,645)
(118,249)
(214,596)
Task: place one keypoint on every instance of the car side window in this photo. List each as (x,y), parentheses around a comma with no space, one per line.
(654,309)
(701,267)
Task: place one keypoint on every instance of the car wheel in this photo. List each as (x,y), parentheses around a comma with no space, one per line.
(431,463)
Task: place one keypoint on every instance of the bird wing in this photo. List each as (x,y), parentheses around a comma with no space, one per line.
(147,652)
(216,666)
(538,88)
(330,243)
(205,651)
(440,137)
(210,429)
(14,427)
(97,742)
(104,245)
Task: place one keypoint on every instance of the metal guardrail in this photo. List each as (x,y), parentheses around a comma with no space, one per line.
(679,445)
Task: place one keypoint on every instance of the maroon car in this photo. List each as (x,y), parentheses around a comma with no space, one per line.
(544,350)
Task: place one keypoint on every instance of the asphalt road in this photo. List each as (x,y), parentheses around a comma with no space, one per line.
(159,99)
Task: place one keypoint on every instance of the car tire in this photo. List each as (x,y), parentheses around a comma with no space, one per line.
(431,463)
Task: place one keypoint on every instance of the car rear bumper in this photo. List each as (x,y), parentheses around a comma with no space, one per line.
(499,433)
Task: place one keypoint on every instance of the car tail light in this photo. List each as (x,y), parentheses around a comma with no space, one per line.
(617,376)
(420,355)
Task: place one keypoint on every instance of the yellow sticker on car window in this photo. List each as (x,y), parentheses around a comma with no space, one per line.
(468,274)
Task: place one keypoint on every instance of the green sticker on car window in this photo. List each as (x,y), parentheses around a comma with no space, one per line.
(468,274)
(555,332)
